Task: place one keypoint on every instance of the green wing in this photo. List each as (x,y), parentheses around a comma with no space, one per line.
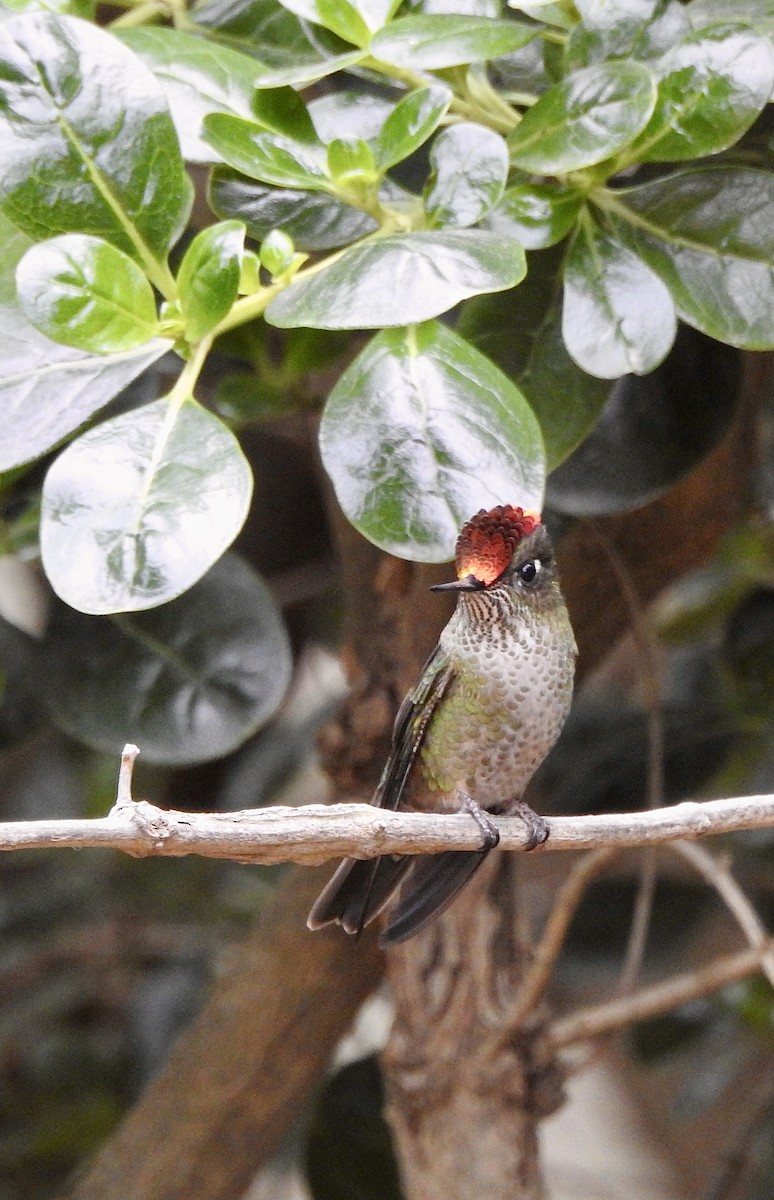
(360,889)
(411,723)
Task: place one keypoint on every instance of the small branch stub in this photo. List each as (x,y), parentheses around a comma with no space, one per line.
(124,791)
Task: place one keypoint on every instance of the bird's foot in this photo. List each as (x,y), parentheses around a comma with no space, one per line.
(489,830)
(538,828)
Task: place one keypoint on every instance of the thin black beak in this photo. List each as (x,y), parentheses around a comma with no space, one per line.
(468,584)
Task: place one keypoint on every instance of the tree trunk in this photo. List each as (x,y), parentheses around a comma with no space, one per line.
(466,1088)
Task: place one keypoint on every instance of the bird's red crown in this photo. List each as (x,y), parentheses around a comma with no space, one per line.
(487,542)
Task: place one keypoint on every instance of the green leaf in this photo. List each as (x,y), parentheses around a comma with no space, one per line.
(281,110)
(86,139)
(260,27)
(521,331)
(427,43)
(354,21)
(74,8)
(47,391)
(186,682)
(708,234)
(537,214)
(350,114)
(469,168)
(422,430)
(638,29)
(83,292)
(558,14)
(410,124)
(588,117)
(208,279)
(759,14)
(714,85)
(307,73)
(138,508)
(314,220)
(270,157)
(351,158)
(618,315)
(198,78)
(400,278)
(339,16)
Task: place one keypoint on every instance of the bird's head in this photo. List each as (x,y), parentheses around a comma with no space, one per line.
(505,546)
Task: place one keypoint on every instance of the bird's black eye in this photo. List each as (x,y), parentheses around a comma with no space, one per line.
(529,571)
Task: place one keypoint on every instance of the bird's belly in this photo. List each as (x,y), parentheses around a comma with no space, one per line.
(496,725)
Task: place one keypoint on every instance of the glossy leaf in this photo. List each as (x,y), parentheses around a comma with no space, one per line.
(521,331)
(350,114)
(588,117)
(652,431)
(46,390)
(306,73)
(350,158)
(551,13)
(281,110)
(469,166)
(198,78)
(618,316)
(427,43)
(640,29)
(340,16)
(759,14)
(83,292)
(708,234)
(421,431)
(86,139)
(314,220)
(714,84)
(537,214)
(263,27)
(410,124)
(270,157)
(139,507)
(187,682)
(400,278)
(73,8)
(208,279)
(353,20)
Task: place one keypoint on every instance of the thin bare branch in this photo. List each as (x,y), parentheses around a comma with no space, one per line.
(648,666)
(549,947)
(718,875)
(659,998)
(315,833)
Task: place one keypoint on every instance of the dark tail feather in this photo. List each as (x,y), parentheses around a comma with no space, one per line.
(357,892)
(434,881)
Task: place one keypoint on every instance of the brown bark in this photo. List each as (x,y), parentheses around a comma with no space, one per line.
(466,1087)
(236,1079)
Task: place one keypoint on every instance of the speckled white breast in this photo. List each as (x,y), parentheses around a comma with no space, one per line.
(507,704)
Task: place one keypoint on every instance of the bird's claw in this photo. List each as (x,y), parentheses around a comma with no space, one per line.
(489,830)
(538,828)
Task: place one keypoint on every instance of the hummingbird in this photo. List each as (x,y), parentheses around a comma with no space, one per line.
(487,708)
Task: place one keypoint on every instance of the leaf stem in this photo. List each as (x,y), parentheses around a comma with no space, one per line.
(464,107)
(250,307)
(186,381)
(140,14)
